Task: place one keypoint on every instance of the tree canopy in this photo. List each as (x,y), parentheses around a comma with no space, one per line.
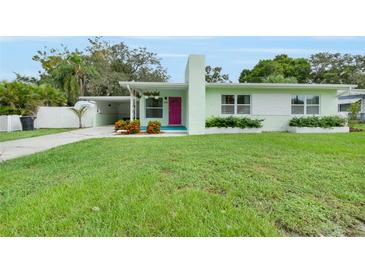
(336,68)
(282,68)
(320,68)
(98,69)
(214,75)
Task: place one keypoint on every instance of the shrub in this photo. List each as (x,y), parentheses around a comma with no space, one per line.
(120,124)
(133,127)
(315,121)
(355,109)
(7,110)
(153,127)
(24,98)
(241,122)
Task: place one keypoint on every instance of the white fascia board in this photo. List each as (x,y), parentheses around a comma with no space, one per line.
(274,85)
(153,85)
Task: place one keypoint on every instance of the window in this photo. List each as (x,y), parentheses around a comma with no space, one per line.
(305,104)
(154,108)
(243,104)
(228,104)
(236,104)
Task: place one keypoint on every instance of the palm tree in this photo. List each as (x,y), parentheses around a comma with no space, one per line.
(79,113)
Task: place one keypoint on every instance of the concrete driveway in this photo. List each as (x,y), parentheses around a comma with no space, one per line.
(21,147)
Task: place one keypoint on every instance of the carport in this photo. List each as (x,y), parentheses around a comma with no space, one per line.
(113,108)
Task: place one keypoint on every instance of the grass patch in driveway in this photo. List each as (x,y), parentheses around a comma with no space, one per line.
(271,184)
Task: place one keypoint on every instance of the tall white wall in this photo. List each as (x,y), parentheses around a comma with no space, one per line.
(195,77)
(62,117)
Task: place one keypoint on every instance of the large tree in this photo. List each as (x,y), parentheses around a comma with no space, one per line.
(282,67)
(214,75)
(98,69)
(117,62)
(336,68)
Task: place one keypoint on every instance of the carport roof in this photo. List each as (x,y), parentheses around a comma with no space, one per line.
(154,85)
(106,98)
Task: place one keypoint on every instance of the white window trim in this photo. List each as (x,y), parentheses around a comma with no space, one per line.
(305,105)
(146,107)
(235,104)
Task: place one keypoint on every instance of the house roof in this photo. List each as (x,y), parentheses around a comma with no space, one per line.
(181,86)
(348,101)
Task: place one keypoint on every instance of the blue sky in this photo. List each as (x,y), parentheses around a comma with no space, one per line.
(231,53)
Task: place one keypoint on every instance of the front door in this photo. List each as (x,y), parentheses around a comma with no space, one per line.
(174,110)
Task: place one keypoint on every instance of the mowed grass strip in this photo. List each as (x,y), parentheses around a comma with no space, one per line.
(9,136)
(271,184)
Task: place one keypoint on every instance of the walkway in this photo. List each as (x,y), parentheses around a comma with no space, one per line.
(21,147)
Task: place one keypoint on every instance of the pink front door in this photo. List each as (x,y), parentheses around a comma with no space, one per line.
(174,110)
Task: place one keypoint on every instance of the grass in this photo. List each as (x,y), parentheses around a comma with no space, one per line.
(8,136)
(359,125)
(271,184)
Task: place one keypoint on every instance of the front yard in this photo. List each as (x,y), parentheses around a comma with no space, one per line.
(9,136)
(270,184)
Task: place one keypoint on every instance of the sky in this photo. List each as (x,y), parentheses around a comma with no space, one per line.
(231,53)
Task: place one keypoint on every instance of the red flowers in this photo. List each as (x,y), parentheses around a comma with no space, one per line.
(153,127)
(131,127)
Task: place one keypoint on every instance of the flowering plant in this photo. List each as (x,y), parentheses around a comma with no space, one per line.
(153,127)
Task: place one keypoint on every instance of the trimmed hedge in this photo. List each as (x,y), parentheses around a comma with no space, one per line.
(240,122)
(316,121)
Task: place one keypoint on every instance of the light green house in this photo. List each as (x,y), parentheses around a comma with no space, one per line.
(186,106)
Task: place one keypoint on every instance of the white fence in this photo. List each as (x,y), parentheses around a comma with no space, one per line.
(51,117)
(10,123)
(63,117)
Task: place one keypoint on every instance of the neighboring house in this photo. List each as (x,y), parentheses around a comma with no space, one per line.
(346,98)
(189,104)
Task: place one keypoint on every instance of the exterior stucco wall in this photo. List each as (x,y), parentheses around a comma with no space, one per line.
(272,105)
(165,112)
(109,112)
(195,76)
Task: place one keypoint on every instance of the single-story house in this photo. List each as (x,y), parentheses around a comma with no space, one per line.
(346,98)
(187,105)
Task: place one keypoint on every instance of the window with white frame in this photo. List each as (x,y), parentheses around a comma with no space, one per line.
(154,108)
(305,104)
(236,104)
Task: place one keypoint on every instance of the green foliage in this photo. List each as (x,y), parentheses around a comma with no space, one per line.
(214,75)
(355,109)
(282,68)
(240,122)
(279,78)
(316,121)
(153,127)
(337,68)
(79,112)
(24,98)
(98,69)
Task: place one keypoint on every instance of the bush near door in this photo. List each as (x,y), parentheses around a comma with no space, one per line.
(153,127)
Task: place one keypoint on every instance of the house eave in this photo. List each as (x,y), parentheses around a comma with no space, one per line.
(280,85)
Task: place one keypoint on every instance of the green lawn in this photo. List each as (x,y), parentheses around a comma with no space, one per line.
(361,126)
(270,184)
(8,136)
